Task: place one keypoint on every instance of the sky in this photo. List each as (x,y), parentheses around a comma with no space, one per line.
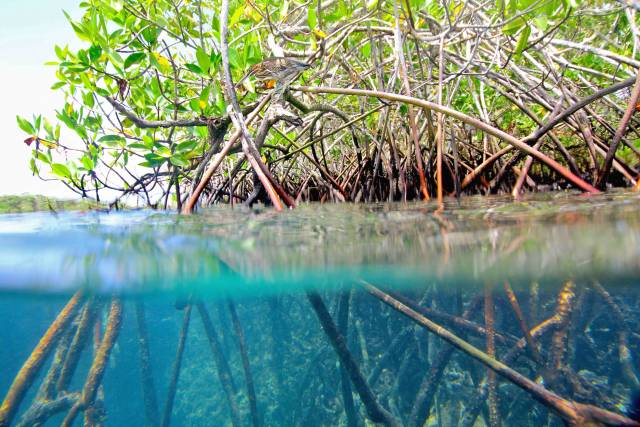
(29,30)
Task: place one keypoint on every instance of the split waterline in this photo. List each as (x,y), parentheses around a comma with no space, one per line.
(326,315)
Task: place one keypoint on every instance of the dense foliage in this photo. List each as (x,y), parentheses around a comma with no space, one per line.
(148,99)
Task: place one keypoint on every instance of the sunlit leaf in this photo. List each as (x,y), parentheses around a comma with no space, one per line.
(61,170)
(236,16)
(179,160)
(204,60)
(522,40)
(312,19)
(25,125)
(134,58)
(186,146)
(513,26)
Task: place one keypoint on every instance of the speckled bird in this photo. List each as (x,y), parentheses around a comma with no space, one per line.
(282,70)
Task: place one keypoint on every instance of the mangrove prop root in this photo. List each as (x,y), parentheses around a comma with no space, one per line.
(251,393)
(613,147)
(41,411)
(32,366)
(573,414)
(427,393)
(533,348)
(97,342)
(626,359)
(173,384)
(96,373)
(343,327)
(221,364)
(548,326)
(148,388)
(397,347)
(489,324)
(375,411)
(89,316)
(463,117)
(560,337)
(462,324)
(48,387)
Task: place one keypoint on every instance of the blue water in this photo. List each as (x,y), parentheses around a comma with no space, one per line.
(266,262)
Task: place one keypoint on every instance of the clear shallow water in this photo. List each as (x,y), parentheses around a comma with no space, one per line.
(266,262)
(542,237)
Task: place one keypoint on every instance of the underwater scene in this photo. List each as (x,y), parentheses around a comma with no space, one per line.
(483,311)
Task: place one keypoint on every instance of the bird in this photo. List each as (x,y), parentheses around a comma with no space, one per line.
(282,70)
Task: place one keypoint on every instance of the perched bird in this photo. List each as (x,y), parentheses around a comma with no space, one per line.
(282,70)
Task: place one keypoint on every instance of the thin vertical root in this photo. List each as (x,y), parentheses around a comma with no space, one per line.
(148,388)
(173,384)
(221,363)
(489,324)
(251,393)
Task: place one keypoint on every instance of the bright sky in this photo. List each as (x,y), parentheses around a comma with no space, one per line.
(29,30)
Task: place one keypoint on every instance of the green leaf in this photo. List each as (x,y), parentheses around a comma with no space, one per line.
(154,61)
(136,146)
(186,146)
(47,126)
(513,26)
(26,126)
(179,160)
(312,19)
(81,31)
(87,162)
(58,85)
(82,132)
(215,24)
(62,55)
(109,139)
(204,60)
(61,170)
(163,152)
(153,160)
(541,23)
(234,59)
(195,105)
(86,82)
(148,141)
(204,95)
(522,40)
(134,58)
(366,50)
(236,16)
(94,52)
(214,60)
(43,158)
(195,69)
(332,17)
(115,58)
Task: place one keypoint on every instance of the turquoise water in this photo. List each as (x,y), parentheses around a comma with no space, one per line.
(267,264)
